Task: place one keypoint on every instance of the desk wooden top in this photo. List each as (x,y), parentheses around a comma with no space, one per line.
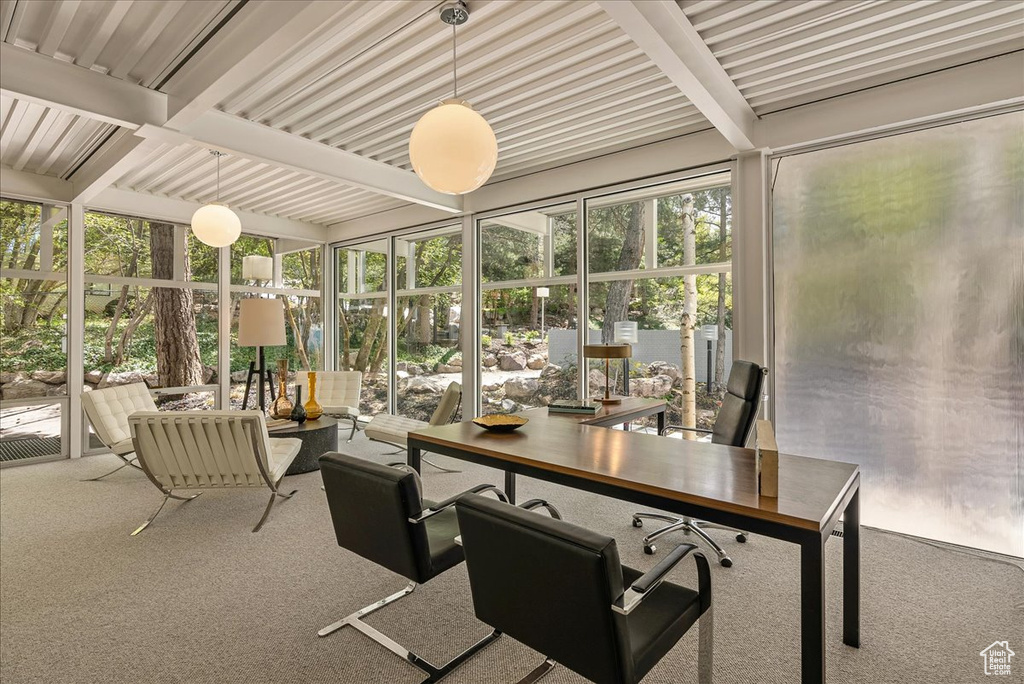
(609,414)
(700,473)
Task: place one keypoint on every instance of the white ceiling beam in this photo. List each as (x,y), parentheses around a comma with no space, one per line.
(32,186)
(54,83)
(262,33)
(662,31)
(243,138)
(180,211)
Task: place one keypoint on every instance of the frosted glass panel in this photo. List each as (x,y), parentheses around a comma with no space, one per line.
(899,324)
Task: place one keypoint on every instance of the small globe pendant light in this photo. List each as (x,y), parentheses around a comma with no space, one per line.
(214,224)
(452,148)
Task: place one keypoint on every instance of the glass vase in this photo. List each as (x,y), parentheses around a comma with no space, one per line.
(298,413)
(282,407)
(313,408)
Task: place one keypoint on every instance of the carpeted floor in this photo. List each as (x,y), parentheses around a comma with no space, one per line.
(198,598)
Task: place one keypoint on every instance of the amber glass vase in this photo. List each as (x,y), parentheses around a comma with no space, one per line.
(313,408)
(282,407)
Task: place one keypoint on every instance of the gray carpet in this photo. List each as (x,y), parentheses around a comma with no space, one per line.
(198,598)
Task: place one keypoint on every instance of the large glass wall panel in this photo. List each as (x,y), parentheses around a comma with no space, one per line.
(661,258)
(899,324)
(428,267)
(33,326)
(362,319)
(529,309)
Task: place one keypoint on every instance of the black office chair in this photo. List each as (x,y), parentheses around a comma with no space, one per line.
(560,589)
(379,513)
(733,427)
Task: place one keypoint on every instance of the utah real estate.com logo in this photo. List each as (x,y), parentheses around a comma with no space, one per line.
(997,658)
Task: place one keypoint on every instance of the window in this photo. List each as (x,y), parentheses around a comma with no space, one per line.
(899,302)
(362,319)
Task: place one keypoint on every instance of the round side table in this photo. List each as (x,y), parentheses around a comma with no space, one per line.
(318,437)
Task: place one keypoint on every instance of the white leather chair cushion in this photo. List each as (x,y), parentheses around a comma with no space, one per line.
(108,410)
(337,391)
(123,447)
(395,430)
(282,452)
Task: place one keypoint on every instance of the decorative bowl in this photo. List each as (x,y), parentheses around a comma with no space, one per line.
(501,423)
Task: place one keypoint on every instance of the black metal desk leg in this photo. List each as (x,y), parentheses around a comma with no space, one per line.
(812,610)
(510,486)
(851,572)
(661,422)
(414,458)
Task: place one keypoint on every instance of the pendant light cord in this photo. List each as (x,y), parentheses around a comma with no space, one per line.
(218,176)
(455,65)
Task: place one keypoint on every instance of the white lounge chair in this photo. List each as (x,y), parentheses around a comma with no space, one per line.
(108,410)
(338,392)
(394,430)
(210,450)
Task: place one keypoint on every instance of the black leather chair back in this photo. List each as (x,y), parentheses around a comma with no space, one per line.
(740,404)
(548,584)
(371,505)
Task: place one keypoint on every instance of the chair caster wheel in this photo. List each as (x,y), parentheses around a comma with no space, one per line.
(637,522)
(741,538)
(726,562)
(649,549)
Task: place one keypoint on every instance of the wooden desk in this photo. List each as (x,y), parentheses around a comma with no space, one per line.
(707,481)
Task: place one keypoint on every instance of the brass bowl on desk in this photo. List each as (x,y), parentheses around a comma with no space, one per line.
(500,423)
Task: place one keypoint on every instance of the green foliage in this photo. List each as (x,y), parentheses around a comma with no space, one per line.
(508,339)
(532,334)
(447,356)
(485,341)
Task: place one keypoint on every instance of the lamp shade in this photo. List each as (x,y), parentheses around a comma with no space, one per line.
(709,332)
(543,292)
(452,148)
(607,351)
(627,331)
(261,322)
(216,225)
(257,268)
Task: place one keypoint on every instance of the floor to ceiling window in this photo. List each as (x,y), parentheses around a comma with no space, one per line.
(899,324)
(292,271)
(662,258)
(33,324)
(151,310)
(528,318)
(361,284)
(428,268)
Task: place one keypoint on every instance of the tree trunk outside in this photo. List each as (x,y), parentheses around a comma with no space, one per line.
(688,395)
(178,363)
(346,341)
(617,302)
(369,337)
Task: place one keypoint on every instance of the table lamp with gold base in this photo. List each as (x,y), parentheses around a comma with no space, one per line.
(608,352)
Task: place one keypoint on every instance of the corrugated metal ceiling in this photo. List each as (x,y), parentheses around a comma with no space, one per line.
(784,53)
(47,141)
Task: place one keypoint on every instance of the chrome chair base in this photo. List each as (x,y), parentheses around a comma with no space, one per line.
(434,673)
(538,672)
(167,495)
(127,462)
(270,504)
(686,525)
(404,450)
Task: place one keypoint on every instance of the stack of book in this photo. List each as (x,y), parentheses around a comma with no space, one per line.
(573,406)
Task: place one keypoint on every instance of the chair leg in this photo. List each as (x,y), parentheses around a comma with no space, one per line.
(676,525)
(167,495)
(723,557)
(638,518)
(270,504)
(126,463)
(434,673)
(538,672)
(706,648)
(441,468)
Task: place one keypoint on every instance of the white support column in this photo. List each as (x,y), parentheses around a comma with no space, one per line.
(469,323)
(391,320)
(651,233)
(76,330)
(750,257)
(410,262)
(549,248)
(46,237)
(224,328)
(352,276)
(582,298)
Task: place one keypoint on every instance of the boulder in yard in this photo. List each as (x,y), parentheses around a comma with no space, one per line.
(50,377)
(424,384)
(662,368)
(521,389)
(126,378)
(513,361)
(445,368)
(25,388)
(536,362)
(490,360)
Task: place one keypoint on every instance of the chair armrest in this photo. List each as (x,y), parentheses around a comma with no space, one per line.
(448,503)
(645,585)
(674,428)
(541,503)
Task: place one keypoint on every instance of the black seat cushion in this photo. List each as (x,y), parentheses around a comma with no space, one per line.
(659,622)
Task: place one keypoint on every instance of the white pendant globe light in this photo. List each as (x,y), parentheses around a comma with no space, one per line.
(452,148)
(214,224)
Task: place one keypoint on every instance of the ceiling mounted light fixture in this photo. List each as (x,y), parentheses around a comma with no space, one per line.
(452,148)
(214,224)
